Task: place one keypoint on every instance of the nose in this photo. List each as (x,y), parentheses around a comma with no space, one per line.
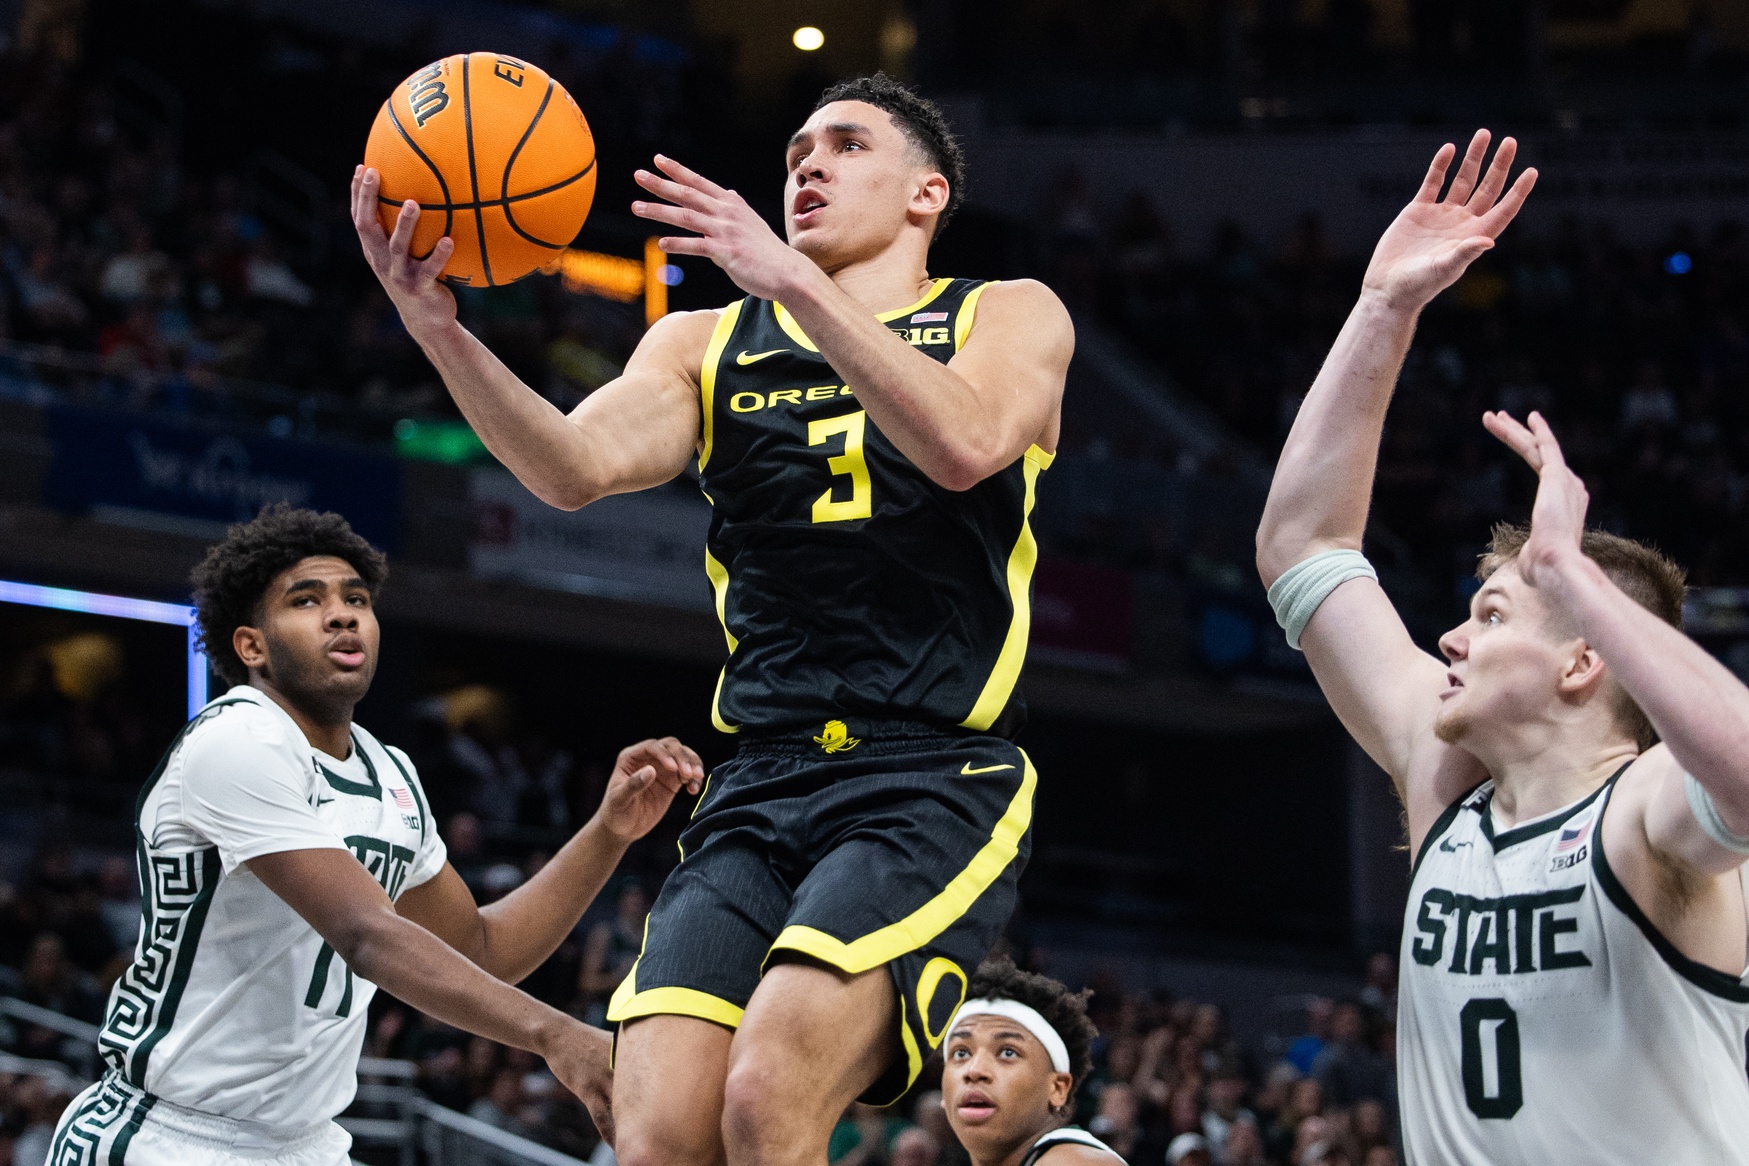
(343,616)
(1455,645)
(809,168)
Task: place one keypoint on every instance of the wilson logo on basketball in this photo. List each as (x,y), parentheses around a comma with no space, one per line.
(426,94)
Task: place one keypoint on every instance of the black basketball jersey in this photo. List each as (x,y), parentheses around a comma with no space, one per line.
(849,584)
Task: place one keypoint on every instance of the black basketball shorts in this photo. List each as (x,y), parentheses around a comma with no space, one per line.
(857,847)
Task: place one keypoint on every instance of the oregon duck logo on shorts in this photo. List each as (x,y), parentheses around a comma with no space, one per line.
(836,738)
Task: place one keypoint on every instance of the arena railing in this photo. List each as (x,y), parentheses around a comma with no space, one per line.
(389,1113)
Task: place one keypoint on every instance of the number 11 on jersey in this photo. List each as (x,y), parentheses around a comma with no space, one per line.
(849,464)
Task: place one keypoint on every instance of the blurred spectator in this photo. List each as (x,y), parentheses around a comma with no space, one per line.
(1349,1068)
(1305,1048)
(914,1147)
(1189,1150)
(121,902)
(611,950)
(1380,992)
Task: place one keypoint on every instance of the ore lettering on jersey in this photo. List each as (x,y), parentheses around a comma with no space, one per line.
(1512,935)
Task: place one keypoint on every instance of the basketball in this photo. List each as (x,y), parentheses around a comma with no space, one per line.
(497,155)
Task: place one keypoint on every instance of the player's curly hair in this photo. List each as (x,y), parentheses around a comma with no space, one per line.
(922,123)
(231,580)
(1066,1011)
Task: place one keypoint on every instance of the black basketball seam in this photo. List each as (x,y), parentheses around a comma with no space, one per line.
(510,164)
(448,214)
(489,202)
(473,172)
(514,226)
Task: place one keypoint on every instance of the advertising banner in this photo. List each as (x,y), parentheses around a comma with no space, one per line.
(644,548)
(156,473)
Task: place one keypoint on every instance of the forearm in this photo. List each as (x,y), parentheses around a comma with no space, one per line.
(523,430)
(1701,710)
(1323,482)
(415,966)
(526,926)
(932,414)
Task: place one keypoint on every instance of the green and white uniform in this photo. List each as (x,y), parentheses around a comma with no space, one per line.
(1542,1017)
(236,1031)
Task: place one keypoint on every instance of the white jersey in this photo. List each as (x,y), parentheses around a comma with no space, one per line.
(233,1005)
(1542,1018)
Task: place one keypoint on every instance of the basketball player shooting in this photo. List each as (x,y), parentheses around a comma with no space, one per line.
(1575,772)
(870,439)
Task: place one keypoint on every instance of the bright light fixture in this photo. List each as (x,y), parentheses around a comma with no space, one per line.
(122,607)
(808,38)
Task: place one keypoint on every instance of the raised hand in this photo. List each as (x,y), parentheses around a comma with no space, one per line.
(426,306)
(643,785)
(1433,240)
(1557,519)
(726,230)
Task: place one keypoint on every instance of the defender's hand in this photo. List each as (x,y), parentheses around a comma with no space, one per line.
(1557,520)
(581,1057)
(426,306)
(643,785)
(1433,240)
(728,231)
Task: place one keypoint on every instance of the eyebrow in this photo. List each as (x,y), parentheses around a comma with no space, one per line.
(837,127)
(316,585)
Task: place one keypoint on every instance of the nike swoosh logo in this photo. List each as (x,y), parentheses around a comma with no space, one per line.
(1451,847)
(323,801)
(750,357)
(968,770)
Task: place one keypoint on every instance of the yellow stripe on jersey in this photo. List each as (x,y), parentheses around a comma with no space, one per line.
(719,577)
(1000,686)
(962,324)
(930,920)
(707,381)
(794,330)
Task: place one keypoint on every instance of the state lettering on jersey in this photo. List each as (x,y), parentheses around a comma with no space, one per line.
(387,863)
(1513,934)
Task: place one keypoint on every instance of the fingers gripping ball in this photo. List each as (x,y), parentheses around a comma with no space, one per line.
(498,157)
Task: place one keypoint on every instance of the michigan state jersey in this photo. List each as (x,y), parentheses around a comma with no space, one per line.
(1542,1016)
(850,585)
(233,1005)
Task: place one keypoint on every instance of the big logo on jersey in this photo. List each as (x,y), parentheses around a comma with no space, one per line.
(1514,933)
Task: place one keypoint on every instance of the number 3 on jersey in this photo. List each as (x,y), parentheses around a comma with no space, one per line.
(849,464)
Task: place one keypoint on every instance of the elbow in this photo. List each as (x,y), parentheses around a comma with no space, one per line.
(962,468)
(1272,557)
(364,945)
(568,496)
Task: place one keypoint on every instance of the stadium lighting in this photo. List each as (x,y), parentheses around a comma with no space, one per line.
(1679,263)
(808,38)
(121,607)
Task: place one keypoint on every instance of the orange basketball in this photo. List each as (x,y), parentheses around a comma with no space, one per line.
(498,157)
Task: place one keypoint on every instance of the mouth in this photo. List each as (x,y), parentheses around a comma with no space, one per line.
(347,651)
(975,1108)
(806,209)
(1452,685)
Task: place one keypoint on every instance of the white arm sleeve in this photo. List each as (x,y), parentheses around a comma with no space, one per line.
(246,790)
(432,852)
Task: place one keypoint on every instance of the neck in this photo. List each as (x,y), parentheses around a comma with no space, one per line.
(1009,1155)
(1541,776)
(894,277)
(329,730)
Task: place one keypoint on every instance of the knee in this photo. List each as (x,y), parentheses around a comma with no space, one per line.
(758,1108)
(668,1140)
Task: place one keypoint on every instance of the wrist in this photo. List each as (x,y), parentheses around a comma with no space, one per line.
(438,335)
(599,831)
(799,280)
(1386,306)
(551,1030)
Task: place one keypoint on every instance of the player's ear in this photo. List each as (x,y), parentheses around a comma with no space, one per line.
(250,646)
(1061,1085)
(1584,669)
(930,195)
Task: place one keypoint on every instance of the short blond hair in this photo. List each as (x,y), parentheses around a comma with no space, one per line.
(1644,575)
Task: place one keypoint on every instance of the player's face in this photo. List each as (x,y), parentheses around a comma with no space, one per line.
(317,636)
(854,183)
(998,1086)
(1506,661)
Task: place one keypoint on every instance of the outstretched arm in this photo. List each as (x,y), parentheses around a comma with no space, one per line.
(959,422)
(515,935)
(1701,710)
(1381,685)
(635,432)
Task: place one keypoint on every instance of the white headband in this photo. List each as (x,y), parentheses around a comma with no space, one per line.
(1025,1016)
